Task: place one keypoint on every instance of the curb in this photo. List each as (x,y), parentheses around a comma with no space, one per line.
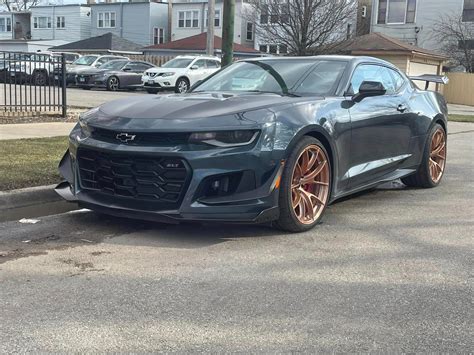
(29,196)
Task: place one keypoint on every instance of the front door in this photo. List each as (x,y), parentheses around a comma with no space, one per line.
(381,129)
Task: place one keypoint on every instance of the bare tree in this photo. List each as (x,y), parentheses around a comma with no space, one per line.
(457,40)
(18,5)
(302,26)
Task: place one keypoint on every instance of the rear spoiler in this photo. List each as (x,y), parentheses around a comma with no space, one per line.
(428,78)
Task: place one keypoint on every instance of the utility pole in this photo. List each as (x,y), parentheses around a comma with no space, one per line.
(210,27)
(228,32)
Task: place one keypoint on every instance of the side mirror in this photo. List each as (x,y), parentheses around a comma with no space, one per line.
(194,67)
(369,89)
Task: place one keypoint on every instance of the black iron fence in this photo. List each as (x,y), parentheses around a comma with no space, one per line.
(32,82)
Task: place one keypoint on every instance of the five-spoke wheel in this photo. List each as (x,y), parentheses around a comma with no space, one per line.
(306,186)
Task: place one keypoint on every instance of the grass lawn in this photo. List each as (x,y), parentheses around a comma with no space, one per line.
(30,162)
(461,118)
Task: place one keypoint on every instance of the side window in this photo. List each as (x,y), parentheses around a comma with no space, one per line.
(201,63)
(101,61)
(398,79)
(212,64)
(371,72)
(323,79)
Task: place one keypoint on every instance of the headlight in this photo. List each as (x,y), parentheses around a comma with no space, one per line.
(225,138)
(83,117)
(167,74)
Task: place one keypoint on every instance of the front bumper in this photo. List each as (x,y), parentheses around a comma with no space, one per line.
(159,82)
(250,205)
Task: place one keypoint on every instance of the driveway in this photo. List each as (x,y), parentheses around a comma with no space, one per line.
(387,270)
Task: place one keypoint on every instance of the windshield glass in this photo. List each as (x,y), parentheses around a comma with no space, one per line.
(114,65)
(86,60)
(276,76)
(177,63)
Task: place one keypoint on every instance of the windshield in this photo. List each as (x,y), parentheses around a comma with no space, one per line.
(86,60)
(177,63)
(277,76)
(114,65)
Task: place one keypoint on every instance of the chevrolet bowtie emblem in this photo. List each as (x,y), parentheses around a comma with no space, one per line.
(125,137)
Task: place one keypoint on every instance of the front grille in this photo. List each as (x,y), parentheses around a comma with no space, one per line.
(158,139)
(83,79)
(157,179)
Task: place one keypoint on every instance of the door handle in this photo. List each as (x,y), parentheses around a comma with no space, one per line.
(401,108)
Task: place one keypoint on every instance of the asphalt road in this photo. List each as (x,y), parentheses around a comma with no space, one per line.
(387,270)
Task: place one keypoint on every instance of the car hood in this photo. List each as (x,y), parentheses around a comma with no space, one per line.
(184,112)
(78,68)
(95,71)
(166,70)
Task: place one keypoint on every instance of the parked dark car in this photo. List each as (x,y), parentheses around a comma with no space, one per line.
(267,139)
(85,63)
(114,75)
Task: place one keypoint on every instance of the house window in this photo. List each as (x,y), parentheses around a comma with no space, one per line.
(396,11)
(41,22)
(217,18)
(282,49)
(468,11)
(249,35)
(263,48)
(106,19)
(5,24)
(264,14)
(60,22)
(158,35)
(188,19)
(273,48)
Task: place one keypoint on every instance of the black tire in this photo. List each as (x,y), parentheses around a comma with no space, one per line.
(182,86)
(113,83)
(86,88)
(152,91)
(288,220)
(422,177)
(40,78)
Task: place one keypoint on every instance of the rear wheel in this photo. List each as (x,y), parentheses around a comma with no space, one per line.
(305,186)
(40,78)
(182,86)
(431,170)
(113,83)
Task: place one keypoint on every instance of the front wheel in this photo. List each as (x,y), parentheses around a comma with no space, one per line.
(431,170)
(113,83)
(305,186)
(40,78)
(152,91)
(182,86)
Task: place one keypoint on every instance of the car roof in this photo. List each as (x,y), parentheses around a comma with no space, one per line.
(347,58)
(198,57)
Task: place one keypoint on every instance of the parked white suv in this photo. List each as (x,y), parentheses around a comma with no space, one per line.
(180,73)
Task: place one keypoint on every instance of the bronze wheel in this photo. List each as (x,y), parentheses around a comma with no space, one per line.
(437,155)
(310,184)
(433,164)
(305,187)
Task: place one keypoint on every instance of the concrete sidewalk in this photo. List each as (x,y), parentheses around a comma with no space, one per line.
(35,130)
(461,110)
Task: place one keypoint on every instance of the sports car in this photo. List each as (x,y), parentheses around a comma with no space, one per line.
(262,140)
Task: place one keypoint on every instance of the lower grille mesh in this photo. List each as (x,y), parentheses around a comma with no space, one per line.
(158,179)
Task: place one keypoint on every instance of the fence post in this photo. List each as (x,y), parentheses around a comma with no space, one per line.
(63,84)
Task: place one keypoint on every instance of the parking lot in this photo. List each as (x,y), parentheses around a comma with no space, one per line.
(389,269)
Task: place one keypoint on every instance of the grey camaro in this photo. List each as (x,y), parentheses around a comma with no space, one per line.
(267,139)
(114,75)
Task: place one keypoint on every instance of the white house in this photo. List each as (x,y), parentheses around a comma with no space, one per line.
(189,18)
(145,23)
(14,25)
(412,20)
(60,22)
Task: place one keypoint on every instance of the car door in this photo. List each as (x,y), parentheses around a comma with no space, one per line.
(212,66)
(197,71)
(131,74)
(380,126)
